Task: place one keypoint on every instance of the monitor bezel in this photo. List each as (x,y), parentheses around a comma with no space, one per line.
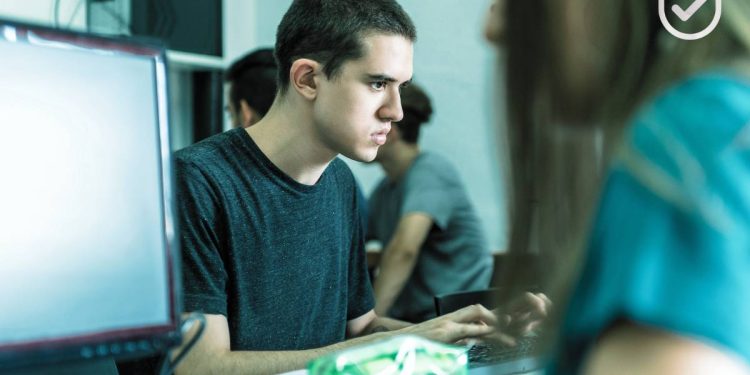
(117,343)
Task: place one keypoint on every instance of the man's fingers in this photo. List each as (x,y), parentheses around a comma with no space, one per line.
(522,317)
(532,327)
(547,301)
(530,304)
(475,313)
(474,330)
(477,321)
(504,320)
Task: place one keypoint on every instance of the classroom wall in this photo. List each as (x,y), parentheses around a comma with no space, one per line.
(456,66)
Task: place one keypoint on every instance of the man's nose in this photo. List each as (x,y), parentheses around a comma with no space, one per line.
(391,110)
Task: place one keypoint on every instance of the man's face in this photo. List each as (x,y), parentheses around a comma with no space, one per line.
(353,112)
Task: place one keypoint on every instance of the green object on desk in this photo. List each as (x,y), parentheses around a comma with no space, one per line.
(403,355)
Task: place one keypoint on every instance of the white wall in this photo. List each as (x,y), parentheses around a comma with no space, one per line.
(240,34)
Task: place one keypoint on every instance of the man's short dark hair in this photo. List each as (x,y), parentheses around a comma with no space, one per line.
(331,32)
(417,111)
(253,78)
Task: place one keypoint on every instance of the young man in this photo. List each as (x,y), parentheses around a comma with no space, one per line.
(252,87)
(273,250)
(420,211)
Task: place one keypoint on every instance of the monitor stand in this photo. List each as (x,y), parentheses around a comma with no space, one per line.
(90,367)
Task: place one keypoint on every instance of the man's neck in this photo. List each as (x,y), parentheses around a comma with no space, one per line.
(399,162)
(285,136)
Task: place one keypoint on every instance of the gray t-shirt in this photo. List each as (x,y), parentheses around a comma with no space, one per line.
(455,256)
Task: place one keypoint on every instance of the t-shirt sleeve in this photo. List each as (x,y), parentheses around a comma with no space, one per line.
(432,192)
(203,273)
(361,299)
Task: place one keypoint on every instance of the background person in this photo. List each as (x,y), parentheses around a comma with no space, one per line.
(252,87)
(434,242)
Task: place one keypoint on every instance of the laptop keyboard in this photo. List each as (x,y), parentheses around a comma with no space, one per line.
(483,354)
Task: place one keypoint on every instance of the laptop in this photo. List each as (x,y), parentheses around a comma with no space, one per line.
(492,359)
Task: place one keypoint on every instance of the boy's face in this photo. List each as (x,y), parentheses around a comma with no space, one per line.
(353,112)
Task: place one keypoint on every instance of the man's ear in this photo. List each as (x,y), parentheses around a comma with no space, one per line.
(248,115)
(302,77)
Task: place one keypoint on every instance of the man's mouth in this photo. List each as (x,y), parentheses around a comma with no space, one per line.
(380,137)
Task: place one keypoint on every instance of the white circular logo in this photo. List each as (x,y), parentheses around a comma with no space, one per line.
(685,15)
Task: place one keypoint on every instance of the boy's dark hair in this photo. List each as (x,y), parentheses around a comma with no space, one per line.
(253,78)
(417,111)
(331,32)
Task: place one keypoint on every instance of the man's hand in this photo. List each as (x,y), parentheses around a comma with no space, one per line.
(471,322)
(520,317)
(524,314)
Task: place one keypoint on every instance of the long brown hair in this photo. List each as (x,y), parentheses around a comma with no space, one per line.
(576,71)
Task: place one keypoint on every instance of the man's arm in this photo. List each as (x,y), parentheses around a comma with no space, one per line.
(212,353)
(372,323)
(399,258)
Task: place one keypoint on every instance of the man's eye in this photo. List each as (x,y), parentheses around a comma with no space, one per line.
(378,85)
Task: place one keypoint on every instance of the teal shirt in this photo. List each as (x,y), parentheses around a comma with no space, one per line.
(670,245)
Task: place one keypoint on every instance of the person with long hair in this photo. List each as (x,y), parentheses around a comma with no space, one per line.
(629,155)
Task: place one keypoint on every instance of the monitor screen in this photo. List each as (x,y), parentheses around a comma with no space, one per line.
(87,238)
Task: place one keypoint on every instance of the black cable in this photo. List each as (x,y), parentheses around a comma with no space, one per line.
(168,366)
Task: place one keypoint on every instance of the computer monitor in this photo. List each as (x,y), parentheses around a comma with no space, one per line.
(88,252)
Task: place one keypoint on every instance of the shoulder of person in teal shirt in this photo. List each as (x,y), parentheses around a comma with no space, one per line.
(670,243)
